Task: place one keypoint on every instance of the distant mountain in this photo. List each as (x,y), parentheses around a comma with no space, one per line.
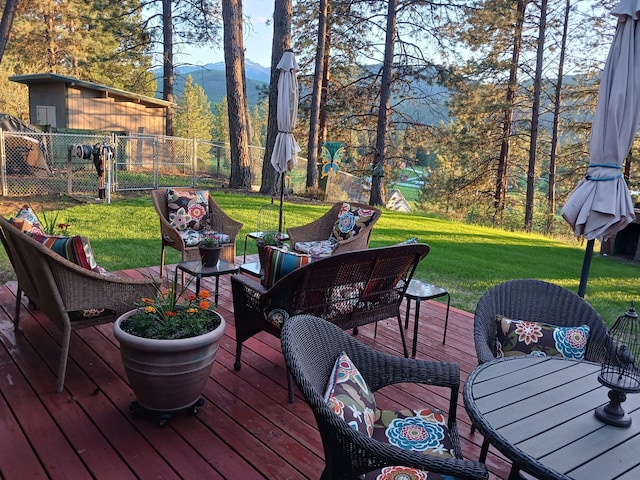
(211,77)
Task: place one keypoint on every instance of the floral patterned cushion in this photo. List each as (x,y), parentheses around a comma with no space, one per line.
(321,248)
(348,395)
(519,337)
(422,431)
(188,209)
(279,262)
(350,221)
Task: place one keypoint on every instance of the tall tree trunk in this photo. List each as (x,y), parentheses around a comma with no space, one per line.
(167,62)
(503,161)
(316,94)
(377,174)
(322,134)
(5,25)
(236,98)
(282,17)
(551,192)
(535,120)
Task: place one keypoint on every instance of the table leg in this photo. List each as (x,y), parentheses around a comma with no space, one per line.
(415,328)
(198,277)
(446,318)
(217,284)
(406,316)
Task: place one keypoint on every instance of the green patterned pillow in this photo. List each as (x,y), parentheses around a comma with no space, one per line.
(519,337)
(348,395)
(188,209)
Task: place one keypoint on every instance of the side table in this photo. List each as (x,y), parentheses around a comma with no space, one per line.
(198,270)
(418,291)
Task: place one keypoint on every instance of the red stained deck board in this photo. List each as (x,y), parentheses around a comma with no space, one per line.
(245,429)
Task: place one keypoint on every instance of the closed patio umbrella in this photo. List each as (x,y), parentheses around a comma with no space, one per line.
(600,205)
(285,151)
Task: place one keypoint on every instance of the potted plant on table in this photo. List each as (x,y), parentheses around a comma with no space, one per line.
(168,345)
(210,247)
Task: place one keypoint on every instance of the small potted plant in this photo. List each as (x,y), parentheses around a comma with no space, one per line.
(267,239)
(168,345)
(210,246)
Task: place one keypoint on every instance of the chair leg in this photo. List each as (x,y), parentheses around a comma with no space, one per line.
(162,261)
(16,318)
(64,355)
(290,386)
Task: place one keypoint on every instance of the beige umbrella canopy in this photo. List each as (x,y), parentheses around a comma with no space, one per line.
(285,150)
(600,205)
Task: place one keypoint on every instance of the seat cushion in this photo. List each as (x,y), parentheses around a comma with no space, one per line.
(519,337)
(321,248)
(192,238)
(348,395)
(188,209)
(350,221)
(422,431)
(279,262)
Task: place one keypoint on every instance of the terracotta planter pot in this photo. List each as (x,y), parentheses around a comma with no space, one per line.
(210,255)
(168,375)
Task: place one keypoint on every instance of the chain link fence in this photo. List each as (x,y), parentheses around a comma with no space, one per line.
(39,163)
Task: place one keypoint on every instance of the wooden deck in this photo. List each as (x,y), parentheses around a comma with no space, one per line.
(245,430)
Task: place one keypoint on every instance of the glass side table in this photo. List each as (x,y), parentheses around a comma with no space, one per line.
(418,291)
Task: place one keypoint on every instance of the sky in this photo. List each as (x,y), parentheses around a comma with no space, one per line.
(257,37)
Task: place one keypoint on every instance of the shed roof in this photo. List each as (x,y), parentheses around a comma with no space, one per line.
(37,78)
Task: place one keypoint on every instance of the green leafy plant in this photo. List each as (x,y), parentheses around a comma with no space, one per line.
(173,314)
(210,240)
(269,240)
(50,223)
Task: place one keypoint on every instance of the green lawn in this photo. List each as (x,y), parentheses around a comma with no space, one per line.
(466,259)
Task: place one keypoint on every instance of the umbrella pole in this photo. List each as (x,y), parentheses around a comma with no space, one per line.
(281,198)
(586,265)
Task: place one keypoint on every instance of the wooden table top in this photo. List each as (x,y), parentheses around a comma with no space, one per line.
(539,412)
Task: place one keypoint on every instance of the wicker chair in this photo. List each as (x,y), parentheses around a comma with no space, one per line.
(350,289)
(171,237)
(320,229)
(312,345)
(534,301)
(59,287)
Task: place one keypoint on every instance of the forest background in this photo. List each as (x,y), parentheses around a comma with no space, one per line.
(488,103)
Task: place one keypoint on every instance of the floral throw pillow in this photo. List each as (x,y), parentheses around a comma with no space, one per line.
(27,221)
(351,220)
(349,397)
(519,337)
(188,209)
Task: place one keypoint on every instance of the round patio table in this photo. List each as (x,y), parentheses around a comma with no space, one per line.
(539,412)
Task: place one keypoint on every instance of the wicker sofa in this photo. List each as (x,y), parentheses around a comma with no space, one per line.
(64,291)
(349,289)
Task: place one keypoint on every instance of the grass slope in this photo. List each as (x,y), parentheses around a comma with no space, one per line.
(465,259)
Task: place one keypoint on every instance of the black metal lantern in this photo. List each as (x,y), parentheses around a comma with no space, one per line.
(620,370)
